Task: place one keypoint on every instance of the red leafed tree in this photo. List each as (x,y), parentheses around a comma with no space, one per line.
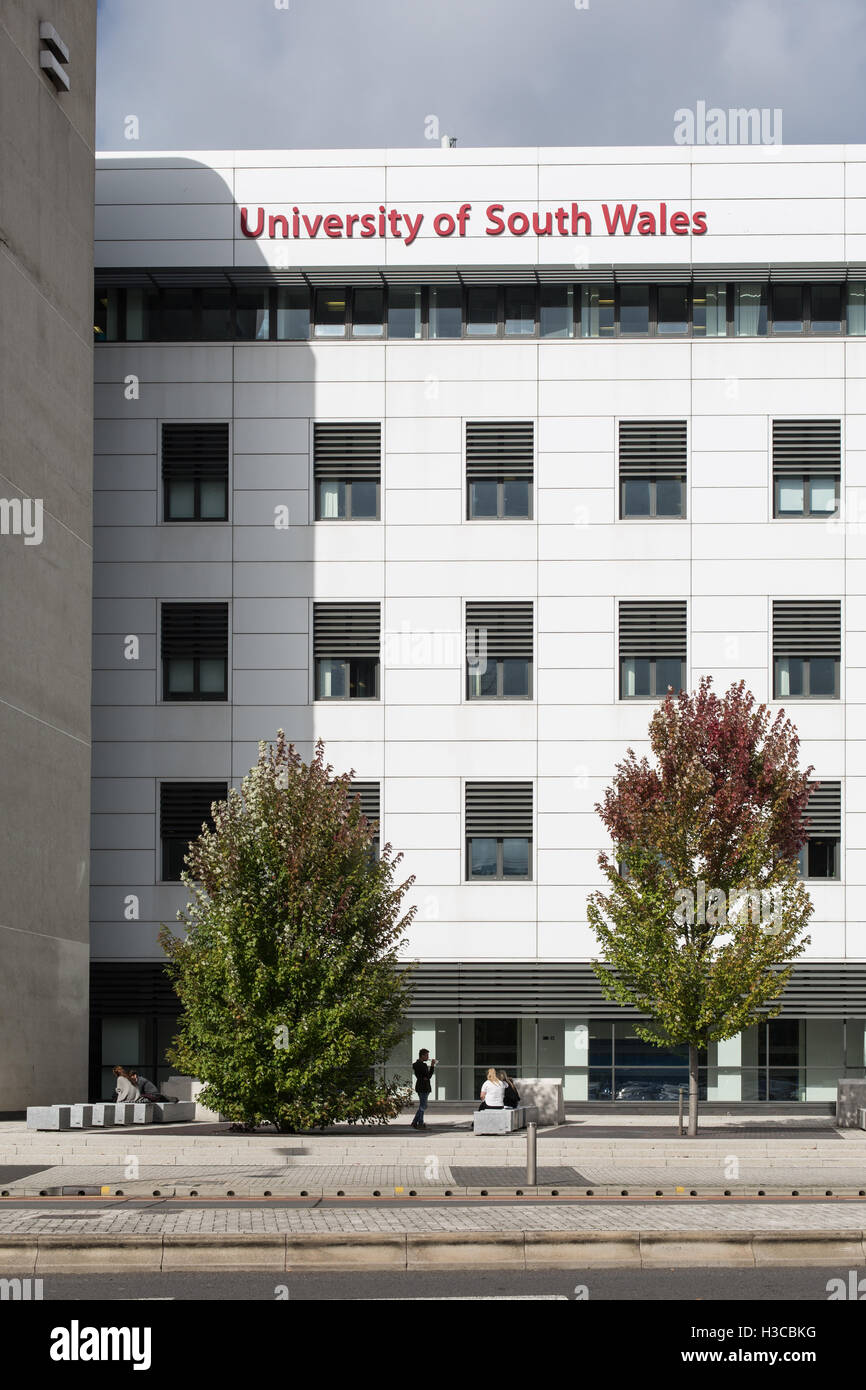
(705,910)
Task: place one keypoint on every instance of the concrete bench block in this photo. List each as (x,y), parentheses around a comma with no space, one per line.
(850,1099)
(103,1114)
(81,1116)
(49,1116)
(167,1112)
(142,1113)
(504,1121)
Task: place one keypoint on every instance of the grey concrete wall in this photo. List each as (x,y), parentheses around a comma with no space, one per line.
(46,331)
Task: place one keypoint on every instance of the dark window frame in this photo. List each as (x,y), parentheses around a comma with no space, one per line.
(807,673)
(350,662)
(653,514)
(499,876)
(500,679)
(655,693)
(347,483)
(807,479)
(159,308)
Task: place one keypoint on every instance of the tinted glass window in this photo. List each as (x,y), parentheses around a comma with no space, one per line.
(404,313)
(556,311)
(293,313)
(673,309)
(634,309)
(787,309)
(445,312)
(481,311)
(826,308)
(519,309)
(330,313)
(368,309)
(216,314)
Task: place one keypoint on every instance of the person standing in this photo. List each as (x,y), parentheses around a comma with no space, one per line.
(423,1072)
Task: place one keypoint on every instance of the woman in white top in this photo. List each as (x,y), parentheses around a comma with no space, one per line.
(492,1092)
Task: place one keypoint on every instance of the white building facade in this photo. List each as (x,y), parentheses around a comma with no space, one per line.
(456,459)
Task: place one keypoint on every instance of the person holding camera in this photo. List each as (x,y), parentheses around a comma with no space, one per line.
(423,1072)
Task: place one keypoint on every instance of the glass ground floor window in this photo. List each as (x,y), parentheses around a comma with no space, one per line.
(605,1060)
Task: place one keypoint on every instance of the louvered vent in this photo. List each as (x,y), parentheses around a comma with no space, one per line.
(824,811)
(185,806)
(192,451)
(347,450)
(807,627)
(195,629)
(369,796)
(652,448)
(499,629)
(498,808)
(807,446)
(652,629)
(496,449)
(346,629)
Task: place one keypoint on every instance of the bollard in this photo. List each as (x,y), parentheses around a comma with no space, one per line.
(531,1169)
(680,1116)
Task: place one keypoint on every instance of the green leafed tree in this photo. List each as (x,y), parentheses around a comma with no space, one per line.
(705,910)
(287,971)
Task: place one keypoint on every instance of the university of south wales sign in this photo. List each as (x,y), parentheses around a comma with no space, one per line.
(610,219)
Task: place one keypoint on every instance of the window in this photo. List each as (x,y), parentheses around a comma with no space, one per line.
(184,807)
(597,311)
(787,308)
(404,313)
(368,312)
(519,310)
(827,312)
(293,313)
(750,311)
(346,650)
(217,318)
(179,317)
(253,318)
(634,317)
(195,646)
(652,649)
(368,794)
(709,311)
(807,648)
(856,316)
(446,312)
(498,830)
(499,468)
(498,651)
(673,309)
(652,468)
(330,314)
(481,315)
(142,315)
(347,462)
(807,467)
(107,316)
(556,311)
(820,855)
(195,472)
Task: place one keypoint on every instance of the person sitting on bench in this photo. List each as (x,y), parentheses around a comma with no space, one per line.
(492,1092)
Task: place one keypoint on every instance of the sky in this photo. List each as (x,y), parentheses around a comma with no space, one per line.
(354,74)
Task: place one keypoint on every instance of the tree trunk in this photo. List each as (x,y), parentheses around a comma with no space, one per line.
(693,1091)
